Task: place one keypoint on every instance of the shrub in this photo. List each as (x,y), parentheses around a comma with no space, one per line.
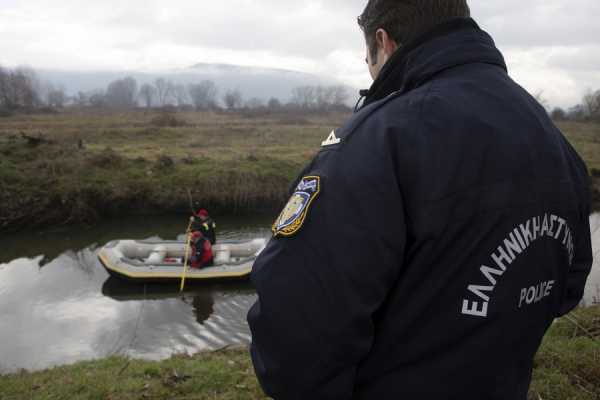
(169,120)
(164,162)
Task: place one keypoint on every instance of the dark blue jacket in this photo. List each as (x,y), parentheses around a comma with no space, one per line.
(430,244)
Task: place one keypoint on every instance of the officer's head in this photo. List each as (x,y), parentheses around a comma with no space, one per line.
(389,24)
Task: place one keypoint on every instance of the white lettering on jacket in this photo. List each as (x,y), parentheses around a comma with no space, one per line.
(516,243)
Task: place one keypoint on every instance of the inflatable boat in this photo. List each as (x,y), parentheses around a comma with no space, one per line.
(162,261)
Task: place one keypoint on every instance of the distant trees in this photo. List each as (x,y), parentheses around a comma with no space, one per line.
(274,104)
(147,94)
(164,88)
(122,93)
(19,88)
(97,99)
(81,99)
(591,104)
(255,103)
(322,98)
(233,99)
(558,114)
(56,97)
(588,110)
(180,95)
(203,95)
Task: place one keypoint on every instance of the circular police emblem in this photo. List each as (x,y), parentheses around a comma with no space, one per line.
(294,214)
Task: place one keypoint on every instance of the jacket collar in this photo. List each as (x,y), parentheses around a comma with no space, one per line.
(455,42)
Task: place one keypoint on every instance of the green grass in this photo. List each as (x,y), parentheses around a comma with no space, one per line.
(567,367)
(225,375)
(568,363)
(110,164)
(230,163)
(585,138)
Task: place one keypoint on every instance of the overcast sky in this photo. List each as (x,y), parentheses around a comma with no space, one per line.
(550,45)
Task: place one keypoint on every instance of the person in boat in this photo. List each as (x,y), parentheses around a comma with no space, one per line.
(429,245)
(202,222)
(201,251)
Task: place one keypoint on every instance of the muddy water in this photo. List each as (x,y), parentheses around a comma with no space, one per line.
(59,306)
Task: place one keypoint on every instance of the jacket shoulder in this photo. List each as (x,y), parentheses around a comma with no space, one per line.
(397,110)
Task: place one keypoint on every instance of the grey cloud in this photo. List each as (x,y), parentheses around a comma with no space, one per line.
(581,59)
(564,34)
(540,22)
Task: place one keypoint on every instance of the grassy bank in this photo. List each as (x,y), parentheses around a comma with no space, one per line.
(71,167)
(566,368)
(91,166)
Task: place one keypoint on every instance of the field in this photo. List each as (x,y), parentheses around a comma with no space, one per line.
(90,166)
(567,367)
(78,167)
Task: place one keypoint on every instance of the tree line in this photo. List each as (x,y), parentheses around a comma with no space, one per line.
(22,89)
(587,110)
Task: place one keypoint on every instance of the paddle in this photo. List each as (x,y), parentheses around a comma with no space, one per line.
(187,253)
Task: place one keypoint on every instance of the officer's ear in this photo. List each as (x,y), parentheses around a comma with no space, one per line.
(386,46)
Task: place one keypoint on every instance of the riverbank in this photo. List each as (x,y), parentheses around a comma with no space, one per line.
(567,367)
(82,167)
(79,168)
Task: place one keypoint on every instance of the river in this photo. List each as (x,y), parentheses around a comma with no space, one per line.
(59,306)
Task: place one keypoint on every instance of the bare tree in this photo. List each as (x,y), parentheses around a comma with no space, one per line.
(17,88)
(233,99)
(274,104)
(57,98)
(97,99)
(319,97)
(82,99)
(576,112)
(340,95)
(255,103)
(180,94)
(324,97)
(203,94)
(558,114)
(21,88)
(304,96)
(122,93)
(147,94)
(591,104)
(4,88)
(164,90)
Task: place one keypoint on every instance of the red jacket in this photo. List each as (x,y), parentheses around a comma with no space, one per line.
(201,257)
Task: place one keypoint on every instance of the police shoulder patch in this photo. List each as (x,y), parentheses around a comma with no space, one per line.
(294,214)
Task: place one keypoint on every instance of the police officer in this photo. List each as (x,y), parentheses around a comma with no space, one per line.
(429,245)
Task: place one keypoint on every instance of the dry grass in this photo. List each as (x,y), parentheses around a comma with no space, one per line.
(567,367)
(102,164)
(585,138)
(112,163)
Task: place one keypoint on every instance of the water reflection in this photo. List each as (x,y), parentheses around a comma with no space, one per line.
(70,310)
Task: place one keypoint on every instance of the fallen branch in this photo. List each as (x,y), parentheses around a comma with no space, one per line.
(33,141)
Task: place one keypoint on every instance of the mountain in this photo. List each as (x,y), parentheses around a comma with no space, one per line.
(262,83)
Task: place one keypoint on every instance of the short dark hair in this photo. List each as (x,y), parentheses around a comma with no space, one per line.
(403,20)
